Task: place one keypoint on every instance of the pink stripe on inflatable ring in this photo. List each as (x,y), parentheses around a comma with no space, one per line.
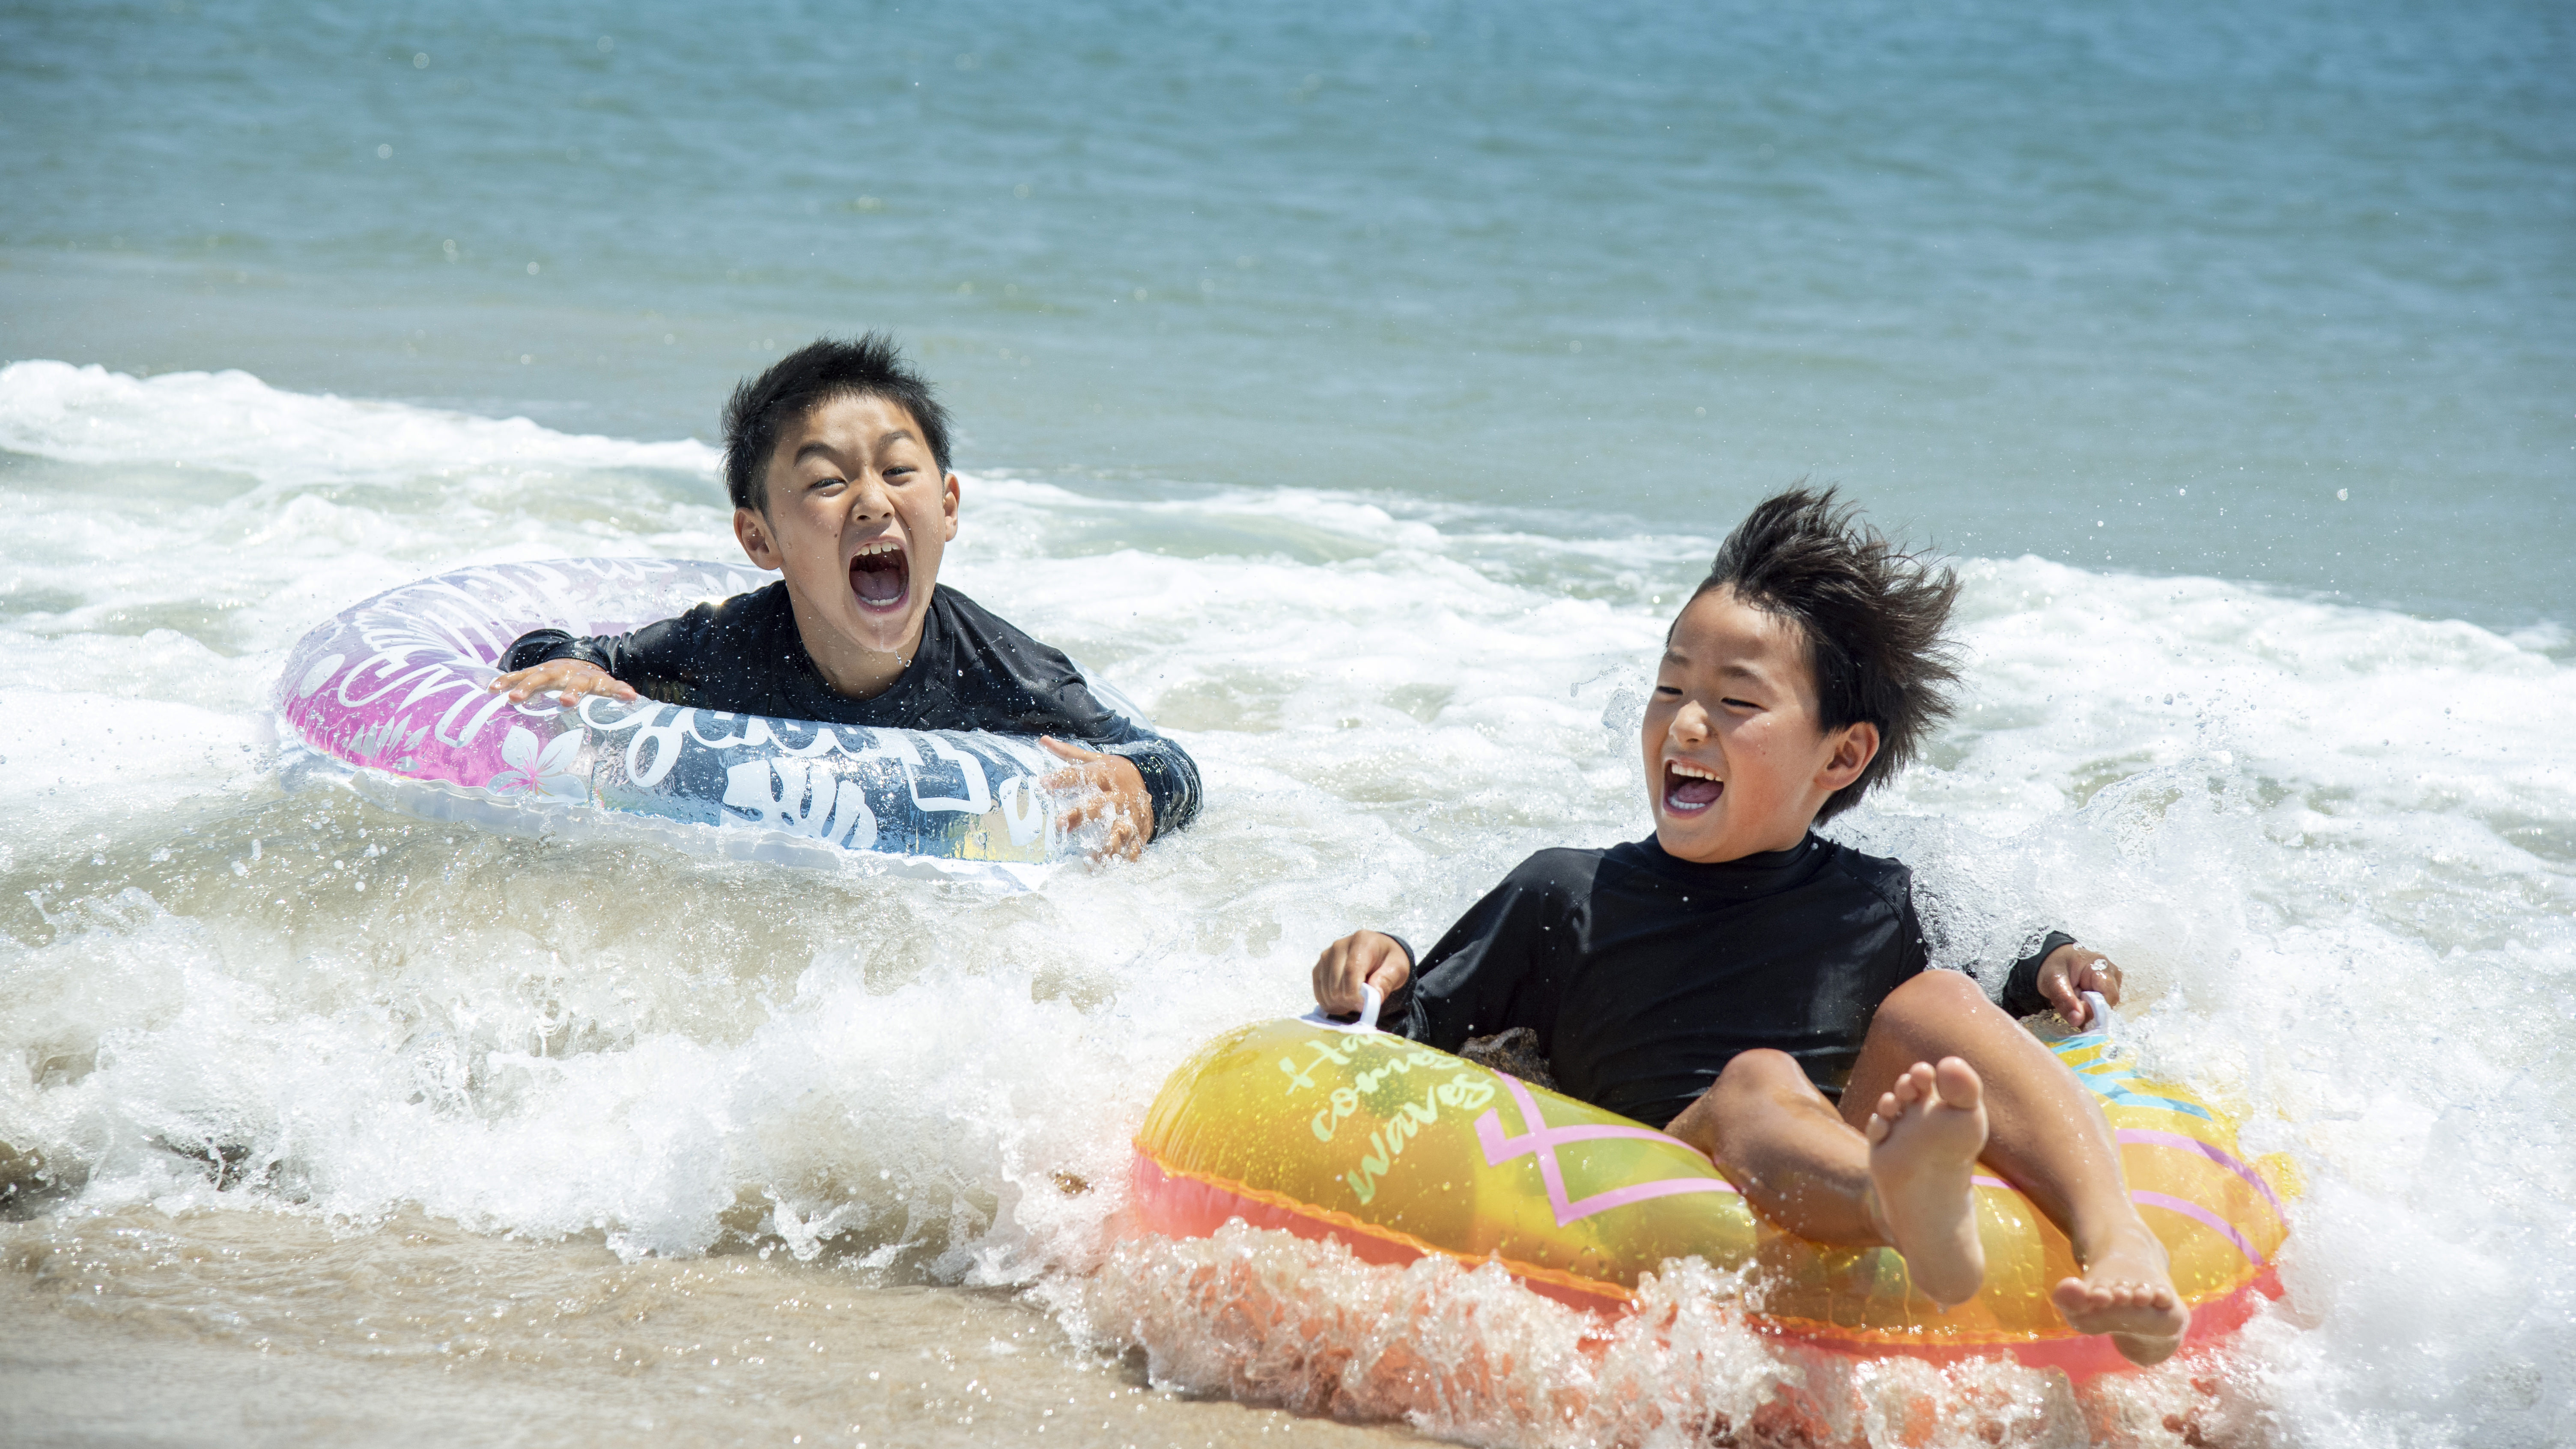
(2144,1138)
(2202,1216)
(1541,1141)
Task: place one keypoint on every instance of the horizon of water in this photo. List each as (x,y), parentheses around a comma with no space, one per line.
(2228,354)
(2282,295)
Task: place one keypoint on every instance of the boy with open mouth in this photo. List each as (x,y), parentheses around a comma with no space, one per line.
(836,459)
(1762,993)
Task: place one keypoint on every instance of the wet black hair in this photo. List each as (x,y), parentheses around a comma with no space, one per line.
(814,374)
(1875,619)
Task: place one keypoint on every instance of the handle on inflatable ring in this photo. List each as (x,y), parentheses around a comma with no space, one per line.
(2098,1015)
(1372,1001)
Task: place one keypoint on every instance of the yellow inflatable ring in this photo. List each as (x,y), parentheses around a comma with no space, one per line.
(1398,1150)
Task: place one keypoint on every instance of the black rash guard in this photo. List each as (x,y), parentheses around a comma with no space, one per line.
(1644,975)
(973,671)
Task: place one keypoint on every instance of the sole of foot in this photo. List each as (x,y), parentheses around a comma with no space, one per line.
(2127,1292)
(1924,1137)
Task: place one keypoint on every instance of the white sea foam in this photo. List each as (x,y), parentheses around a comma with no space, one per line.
(233,421)
(2328,844)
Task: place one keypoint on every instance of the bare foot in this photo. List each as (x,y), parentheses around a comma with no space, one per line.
(1924,1139)
(2127,1292)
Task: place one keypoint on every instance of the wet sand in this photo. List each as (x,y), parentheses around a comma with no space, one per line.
(138,1328)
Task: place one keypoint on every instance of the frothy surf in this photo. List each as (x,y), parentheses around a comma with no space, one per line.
(2326,842)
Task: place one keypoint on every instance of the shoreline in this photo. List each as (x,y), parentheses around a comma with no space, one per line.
(218,1327)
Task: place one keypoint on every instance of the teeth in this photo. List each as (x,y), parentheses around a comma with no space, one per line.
(883,545)
(1691,771)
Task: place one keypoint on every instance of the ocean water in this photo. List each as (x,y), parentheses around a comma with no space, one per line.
(1359,393)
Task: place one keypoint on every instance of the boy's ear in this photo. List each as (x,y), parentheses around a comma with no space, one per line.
(948,506)
(752,531)
(1852,752)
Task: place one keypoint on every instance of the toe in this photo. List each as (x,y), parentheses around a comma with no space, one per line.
(1958,1083)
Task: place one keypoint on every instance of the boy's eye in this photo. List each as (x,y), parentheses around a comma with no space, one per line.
(1738,703)
(1668,689)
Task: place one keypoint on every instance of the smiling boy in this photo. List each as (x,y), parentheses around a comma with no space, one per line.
(1733,974)
(836,460)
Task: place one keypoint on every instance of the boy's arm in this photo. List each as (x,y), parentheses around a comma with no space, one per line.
(1358,961)
(617,665)
(1169,777)
(1102,786)
(1489,973)
(552,661)
(2056,976)
(1014,684)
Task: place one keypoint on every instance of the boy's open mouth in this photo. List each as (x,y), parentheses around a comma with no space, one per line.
(1689,789)
(881,575)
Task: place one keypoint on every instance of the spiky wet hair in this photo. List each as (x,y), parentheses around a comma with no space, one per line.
(805,379)
(1875,620)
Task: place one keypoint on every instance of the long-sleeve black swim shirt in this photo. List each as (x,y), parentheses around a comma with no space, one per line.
(1643,975)
(973,671)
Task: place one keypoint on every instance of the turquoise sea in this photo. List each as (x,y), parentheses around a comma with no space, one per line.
(2067,283)
(1356,388)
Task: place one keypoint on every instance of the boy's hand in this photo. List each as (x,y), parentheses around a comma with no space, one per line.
(1104,787)
(2069,972)
(570,678)
(1362,958)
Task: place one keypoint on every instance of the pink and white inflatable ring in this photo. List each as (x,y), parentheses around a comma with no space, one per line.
(395,688)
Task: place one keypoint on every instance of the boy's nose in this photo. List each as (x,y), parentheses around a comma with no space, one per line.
(1690,723)
(868,496)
